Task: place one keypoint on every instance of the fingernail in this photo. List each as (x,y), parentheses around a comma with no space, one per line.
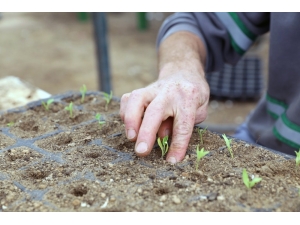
(131,134)
(172,160)
(142,147)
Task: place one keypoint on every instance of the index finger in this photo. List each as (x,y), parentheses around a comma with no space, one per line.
(155,113)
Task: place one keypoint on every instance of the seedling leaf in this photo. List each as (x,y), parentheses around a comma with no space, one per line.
(163,145)
(228,143)
(47,104)
(200,154)
(297,158)
(249,184)
(98,117)
(10,124)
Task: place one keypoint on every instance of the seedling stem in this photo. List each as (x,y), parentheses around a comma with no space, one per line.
(107,98)
(70,109)
(83,92)
(201,132)
(228,142)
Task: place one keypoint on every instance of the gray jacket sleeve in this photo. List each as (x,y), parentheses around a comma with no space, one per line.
(226,36)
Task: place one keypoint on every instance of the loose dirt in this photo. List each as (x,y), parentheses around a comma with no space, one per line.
(82,166)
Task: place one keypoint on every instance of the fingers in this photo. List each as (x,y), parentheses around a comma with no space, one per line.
(182,131)
(124,100)
(132,111)
(153,117)
(166,128)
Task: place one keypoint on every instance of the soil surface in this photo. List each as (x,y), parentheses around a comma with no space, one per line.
(51,162)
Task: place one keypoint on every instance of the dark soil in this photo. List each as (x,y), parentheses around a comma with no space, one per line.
(51,162)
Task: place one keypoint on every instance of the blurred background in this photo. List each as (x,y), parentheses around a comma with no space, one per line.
(56,52)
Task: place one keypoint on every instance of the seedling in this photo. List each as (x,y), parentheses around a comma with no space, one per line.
(48,103)
(163,145)
(228,142)
(201,132)
(200,154)
(107,98)
(83,92)
(249,184)
(98,117)
(10,124)
(70,109)
(297,158)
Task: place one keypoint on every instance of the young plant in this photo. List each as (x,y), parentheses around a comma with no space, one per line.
(297,158)
(10,124)
(83,92)
(107,98)
(98,117)
(48,103)
(200,154)
(70,109)
(249,184)
(201,132)
(228,144)
(163,145)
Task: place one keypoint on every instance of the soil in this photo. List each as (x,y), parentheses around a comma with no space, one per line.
(51,162)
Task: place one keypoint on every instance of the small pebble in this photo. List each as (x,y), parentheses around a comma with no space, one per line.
(176,200)
(220,198)
(139,190)
(210,180)
(163,198)
(4,207)
(103,195)
(83,204)
(76,202)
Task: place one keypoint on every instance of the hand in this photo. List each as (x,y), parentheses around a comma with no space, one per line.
(170,106)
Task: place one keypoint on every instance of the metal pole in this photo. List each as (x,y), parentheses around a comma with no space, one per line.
(100,32)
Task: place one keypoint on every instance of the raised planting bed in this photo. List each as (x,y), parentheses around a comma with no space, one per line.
(51,162)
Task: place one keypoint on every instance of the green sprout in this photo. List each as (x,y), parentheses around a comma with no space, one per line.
(249,184)
(70,108)
(163,145)
(10,124)
(97,117)
(228,142)
(47,104)
(201,132)
(83,92)
(297,158)
(200,154)
(107,98)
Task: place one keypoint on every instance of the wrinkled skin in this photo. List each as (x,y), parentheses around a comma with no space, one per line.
(173,104)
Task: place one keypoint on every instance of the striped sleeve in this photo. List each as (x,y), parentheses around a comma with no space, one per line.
(226,36)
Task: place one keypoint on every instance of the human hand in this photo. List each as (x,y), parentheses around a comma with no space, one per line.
(170,106)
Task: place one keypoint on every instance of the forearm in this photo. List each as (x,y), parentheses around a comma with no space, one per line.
(181,51)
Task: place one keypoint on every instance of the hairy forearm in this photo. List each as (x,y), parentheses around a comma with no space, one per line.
(181,51)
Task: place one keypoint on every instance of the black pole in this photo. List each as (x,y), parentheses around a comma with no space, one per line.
(100,32)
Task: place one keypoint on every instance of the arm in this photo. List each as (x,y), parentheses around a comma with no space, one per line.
(189,44)
(172,104)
